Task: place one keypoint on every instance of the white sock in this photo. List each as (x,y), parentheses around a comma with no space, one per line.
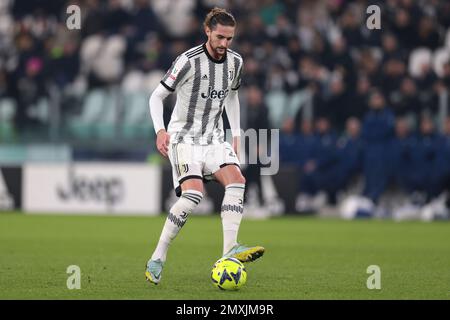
(231,214)
(175,221)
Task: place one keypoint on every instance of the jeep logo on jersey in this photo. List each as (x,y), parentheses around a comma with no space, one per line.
(214,94)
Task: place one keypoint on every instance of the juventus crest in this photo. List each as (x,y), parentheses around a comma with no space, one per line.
(230,75)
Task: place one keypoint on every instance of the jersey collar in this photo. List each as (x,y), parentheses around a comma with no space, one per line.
(211,58)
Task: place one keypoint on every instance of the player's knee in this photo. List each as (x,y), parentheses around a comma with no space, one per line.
(236,187)
(191,198)
(239,179)
(192,184)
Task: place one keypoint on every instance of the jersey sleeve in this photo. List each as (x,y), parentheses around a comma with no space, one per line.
(237,79)
(177,73)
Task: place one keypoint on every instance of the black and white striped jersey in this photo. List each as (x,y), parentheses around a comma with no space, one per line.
(202,85)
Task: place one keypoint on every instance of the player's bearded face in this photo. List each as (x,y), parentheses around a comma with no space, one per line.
(219,39)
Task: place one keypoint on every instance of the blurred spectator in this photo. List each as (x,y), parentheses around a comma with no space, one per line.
(282,31)
(377,132)
(253,73)
(350,150)
(369,66)
(446,74)
(426,173)
(28,83)
(403,28)
(340,61)
(270,11)
(337,105)
(402,150)
(405,101)
(117,17)
(350,24)
(444,156)
(257,119)
(393,72)
(295,50)
(63,60)
(94,18)
(391,49)
(296,145)
(427,35)
(305,144)
(253,30)
(426,81)
(359,104)
(144,20)
(319,169)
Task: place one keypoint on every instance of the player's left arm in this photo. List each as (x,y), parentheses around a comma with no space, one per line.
(234,118)
(233,110)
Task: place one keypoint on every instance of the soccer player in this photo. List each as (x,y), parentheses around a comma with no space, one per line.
(206,80)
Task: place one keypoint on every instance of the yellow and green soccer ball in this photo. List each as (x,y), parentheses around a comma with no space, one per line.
(228,274)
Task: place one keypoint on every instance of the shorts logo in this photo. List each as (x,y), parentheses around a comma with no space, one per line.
(185,168)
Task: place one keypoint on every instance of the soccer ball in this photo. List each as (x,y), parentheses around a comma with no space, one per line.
(228,274)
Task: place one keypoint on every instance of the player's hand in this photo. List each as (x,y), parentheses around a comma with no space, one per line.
(162,142)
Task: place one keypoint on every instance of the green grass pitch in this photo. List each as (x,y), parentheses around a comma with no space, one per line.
(306,258)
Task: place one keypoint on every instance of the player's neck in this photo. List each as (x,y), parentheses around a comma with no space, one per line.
(212,53)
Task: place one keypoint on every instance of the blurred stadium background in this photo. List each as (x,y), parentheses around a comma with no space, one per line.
(363,114)
(364,132)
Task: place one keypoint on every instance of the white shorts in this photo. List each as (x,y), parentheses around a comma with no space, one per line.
(191,161)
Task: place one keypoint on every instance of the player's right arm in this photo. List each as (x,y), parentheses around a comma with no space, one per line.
(156,112)
(233,112)
(178,71)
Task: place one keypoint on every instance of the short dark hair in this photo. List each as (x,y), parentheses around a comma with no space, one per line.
(219,16)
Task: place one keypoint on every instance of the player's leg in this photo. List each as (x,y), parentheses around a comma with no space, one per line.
(231,178)
(192,194)
(187,174)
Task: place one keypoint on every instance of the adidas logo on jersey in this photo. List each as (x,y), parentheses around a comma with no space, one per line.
(205,77)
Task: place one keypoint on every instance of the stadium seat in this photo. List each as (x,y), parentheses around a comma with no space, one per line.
(7,112)
(136,119)
(276,103)
(136,81)
(132,81)
(151,80)
(103,56)
(105,127)
(297,100)
(93,107)
(89,50)
(41,110)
